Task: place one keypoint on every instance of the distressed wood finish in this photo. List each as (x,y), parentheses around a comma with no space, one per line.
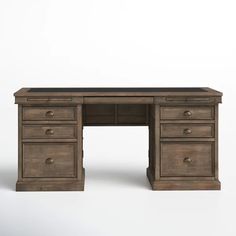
(49,131)
(187,112)
(49,160)
(182,184)
(49,113)
(118,100)
(50,185)
(187,130)
(20,156)
(183,134)
(79,154)
(186,159)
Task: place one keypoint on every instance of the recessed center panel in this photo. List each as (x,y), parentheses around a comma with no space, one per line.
(115,114)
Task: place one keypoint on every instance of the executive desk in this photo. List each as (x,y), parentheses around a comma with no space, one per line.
(183,134)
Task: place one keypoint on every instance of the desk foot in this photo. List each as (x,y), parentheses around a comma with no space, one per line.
(182,184)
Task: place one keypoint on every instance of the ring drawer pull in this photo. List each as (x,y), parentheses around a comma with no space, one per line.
(49,132)
(187,113)
(187,131)
(187,160)
(49,161)
(49,113)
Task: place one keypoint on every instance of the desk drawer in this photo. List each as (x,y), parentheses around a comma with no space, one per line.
(186,159)
(47,132)
(187,112)
(49,113)
(49,160)
(187,130)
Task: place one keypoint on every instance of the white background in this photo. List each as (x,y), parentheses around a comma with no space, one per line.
(117,43)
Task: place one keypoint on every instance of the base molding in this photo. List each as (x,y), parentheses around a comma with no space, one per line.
(182,184)
(51,185)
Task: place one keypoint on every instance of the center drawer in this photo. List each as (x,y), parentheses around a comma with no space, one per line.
(44,160)
(47,132)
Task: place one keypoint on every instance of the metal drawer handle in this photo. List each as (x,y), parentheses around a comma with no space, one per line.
(49,161)
(187,113)
(49,132)
(49,113)
(187,131)
(187,160)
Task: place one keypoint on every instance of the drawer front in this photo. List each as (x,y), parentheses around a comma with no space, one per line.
(49,160)
(49,113)
(187,130)
(47,132)
(187,112)
(186,159)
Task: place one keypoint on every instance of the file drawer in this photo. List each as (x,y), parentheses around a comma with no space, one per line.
(43,160)
(186,159)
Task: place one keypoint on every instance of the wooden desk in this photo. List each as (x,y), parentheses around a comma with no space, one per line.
(183,134)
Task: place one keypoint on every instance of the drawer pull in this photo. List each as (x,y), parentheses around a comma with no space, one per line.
(187,160)
(49,113)
(187,131)
(49,161)
(187,113)
(49,132)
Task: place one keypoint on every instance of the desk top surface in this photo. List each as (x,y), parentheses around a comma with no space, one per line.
(118,91)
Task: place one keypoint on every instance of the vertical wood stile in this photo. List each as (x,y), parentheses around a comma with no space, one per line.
(20,150)
(157,141)
(79,142)
(216,142)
